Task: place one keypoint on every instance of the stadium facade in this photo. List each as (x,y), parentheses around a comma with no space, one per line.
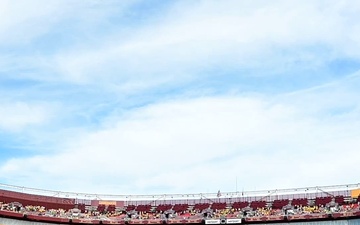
(337,204)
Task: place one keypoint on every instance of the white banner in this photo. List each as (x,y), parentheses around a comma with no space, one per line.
(212,221)
(232,221)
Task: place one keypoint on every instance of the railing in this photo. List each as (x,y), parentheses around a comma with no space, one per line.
(267,195)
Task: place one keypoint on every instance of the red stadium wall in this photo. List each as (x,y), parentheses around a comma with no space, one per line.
(30,199)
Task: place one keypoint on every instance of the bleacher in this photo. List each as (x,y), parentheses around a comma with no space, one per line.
(237,208)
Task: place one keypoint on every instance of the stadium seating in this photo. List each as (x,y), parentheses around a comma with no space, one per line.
(257,204)
(130,208)
(300,202)
(201,206)
(340,200)
(284,208)
(111,208)
(279,204)
(240,205)
(322,200)
(143,208)
(218,205)
(163,207)
(180,207)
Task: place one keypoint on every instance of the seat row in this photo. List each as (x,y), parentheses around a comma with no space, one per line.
(276,204)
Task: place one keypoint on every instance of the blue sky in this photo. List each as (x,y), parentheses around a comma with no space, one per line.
(142,97)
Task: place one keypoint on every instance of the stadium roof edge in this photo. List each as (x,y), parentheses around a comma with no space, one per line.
(78,195)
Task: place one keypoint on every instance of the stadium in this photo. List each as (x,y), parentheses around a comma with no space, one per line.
(139,112)
(338,204)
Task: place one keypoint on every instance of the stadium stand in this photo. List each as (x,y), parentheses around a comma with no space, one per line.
(240,205)
(280,204)
(330,203)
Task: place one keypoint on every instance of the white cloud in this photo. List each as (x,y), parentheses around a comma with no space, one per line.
(204,144)
(17,116)
(232,34)
(23,21)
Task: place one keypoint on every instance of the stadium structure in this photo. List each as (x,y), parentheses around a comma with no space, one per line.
(338,204)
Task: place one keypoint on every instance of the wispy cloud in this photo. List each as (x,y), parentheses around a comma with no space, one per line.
(232,36)
(191,144)
(16,116)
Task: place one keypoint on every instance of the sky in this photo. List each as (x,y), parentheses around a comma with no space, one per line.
(165,97)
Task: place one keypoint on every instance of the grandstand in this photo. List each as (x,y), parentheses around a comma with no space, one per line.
(325,203)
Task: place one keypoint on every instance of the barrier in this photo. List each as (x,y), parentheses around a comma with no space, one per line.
(11,214)
(47,219)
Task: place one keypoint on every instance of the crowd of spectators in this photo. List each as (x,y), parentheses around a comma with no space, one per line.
(190,213)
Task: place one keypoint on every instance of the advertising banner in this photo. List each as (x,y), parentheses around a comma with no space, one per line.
(232,221)
(212,221)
